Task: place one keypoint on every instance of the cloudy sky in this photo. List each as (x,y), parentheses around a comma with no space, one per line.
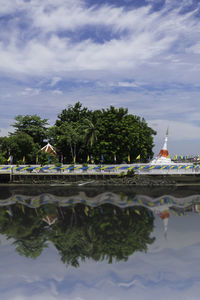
(169,270)
(140,54)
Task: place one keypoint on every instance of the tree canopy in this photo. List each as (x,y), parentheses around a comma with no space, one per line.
(32,125)
(109,135)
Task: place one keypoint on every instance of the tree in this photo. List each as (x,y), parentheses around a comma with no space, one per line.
(89,132)
(122,134)
(21,145)
(32,125)
(73,114)
(69,132)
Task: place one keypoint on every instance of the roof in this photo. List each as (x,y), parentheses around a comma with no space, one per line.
(49,149)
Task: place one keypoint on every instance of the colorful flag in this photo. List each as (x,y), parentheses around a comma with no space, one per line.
(138,157)
(10,159)
(9,211)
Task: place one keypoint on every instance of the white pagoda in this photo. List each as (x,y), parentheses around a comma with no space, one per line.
(163,157)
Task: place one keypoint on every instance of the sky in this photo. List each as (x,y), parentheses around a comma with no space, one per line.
(169,270)
(139,54)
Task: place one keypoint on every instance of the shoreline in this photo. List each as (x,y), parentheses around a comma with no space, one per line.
(100,179)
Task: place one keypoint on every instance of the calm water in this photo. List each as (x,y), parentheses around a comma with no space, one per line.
(82,243)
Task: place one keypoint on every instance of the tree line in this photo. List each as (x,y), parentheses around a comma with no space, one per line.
(79,135)
(80,232)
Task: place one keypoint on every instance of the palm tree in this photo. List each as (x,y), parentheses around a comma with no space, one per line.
(89,133)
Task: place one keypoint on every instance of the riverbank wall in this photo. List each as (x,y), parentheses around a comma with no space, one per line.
(101,179)
(135,174)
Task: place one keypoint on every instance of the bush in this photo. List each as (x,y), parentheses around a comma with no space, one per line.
(130,173)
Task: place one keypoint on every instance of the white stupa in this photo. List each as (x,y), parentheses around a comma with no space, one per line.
(163,157)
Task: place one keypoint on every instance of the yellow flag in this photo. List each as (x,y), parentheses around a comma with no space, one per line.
(36,159)
(23,159)
(9,158)
(74,158)
(88,158)
(129,159)
(138,157)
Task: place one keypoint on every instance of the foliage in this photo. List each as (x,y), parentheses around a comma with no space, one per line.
(122,134)
(101,233)
(20,145)
(79,133)
(32,125)
(130,173)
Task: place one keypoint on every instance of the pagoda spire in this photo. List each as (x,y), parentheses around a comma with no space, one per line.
(166,140)
(163,157)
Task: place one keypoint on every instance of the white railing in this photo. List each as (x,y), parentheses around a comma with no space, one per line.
(102,169)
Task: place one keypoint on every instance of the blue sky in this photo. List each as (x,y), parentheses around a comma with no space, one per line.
(140,54)
(169,270)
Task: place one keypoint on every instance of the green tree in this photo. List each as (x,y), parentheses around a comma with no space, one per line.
(73,114)
(69,133)
(4,150)
(21,145)
(90,135)
(122,134)
(32,125)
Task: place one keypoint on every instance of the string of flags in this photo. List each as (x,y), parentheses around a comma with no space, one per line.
(186,157)
(91,159)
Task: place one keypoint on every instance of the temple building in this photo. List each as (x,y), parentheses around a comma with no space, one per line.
(49,149)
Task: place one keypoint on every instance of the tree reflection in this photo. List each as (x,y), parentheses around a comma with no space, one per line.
(80,232)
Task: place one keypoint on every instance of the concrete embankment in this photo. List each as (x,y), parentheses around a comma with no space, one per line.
(102,179)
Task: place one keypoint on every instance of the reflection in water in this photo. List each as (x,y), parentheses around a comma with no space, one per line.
(89,229)
(106,226)
(78,232)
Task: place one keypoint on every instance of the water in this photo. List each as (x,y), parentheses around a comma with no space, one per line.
(61,242)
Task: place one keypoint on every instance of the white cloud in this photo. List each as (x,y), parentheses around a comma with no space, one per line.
(115,47)
(55,80)
(57,92)
(177,130)
(127,84)
(30,92)
(150,36)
